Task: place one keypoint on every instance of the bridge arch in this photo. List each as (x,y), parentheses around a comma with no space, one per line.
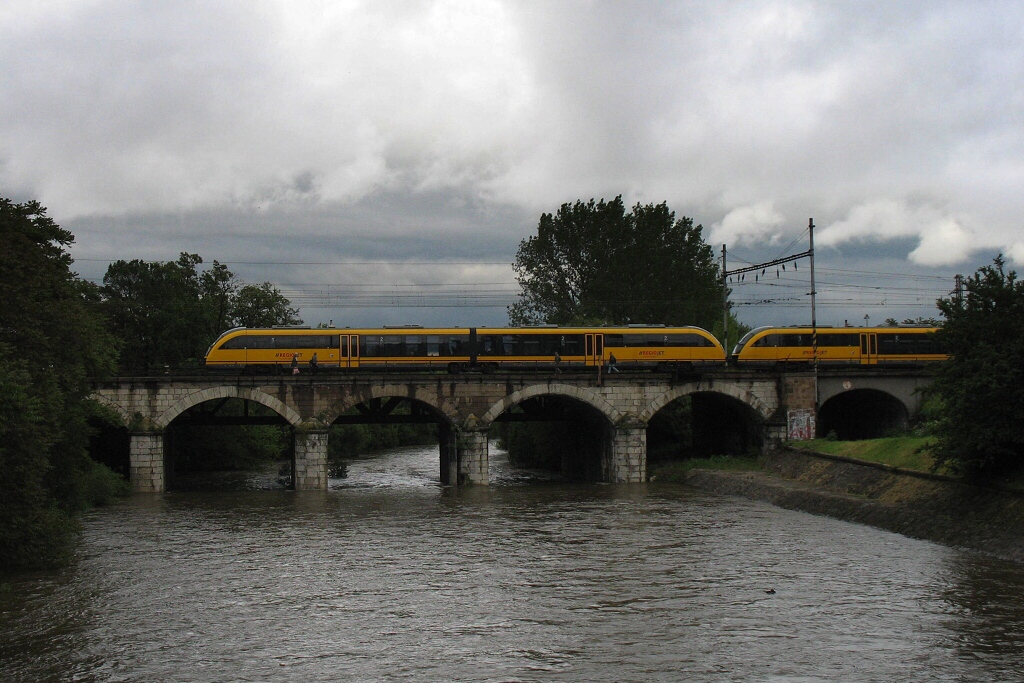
(214,393)
(443,409)
(582,394)
(762,408)
(866,413)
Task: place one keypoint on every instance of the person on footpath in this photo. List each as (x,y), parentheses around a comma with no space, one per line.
(612,361)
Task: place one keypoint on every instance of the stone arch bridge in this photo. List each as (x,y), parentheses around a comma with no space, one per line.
(465,406)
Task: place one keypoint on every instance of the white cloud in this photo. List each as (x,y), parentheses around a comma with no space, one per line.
(1016,252)
(942,239)
(755,224)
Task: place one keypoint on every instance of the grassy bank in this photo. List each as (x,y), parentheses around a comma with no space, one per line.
(907,452)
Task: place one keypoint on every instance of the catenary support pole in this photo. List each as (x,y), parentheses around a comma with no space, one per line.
(725,306)
(814,321)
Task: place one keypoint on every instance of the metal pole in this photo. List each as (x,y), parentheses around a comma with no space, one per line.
(725,307)
(814,323)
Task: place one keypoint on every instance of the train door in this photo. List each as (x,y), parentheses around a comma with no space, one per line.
(353,351)
(869,348)
(595,349)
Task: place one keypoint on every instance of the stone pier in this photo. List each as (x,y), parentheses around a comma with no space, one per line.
(310,459)
(473,457)
(627,461)
(146,462)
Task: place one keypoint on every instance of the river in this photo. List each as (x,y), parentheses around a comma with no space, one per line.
(391,577)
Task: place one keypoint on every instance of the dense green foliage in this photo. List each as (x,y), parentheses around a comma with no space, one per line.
(595,263)
(52,340)
(168,313)
(195,447)
(262,306)
(982,386)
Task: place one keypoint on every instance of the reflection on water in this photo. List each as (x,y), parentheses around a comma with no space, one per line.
(390,576)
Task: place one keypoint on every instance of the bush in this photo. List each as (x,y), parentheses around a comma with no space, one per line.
(982,385)
(102,485)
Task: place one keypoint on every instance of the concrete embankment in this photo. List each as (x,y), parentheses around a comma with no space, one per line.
(940,509)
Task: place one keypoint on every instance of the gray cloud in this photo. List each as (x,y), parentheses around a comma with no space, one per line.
(439,131)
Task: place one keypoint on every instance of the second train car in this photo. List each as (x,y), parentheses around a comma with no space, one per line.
(773,346)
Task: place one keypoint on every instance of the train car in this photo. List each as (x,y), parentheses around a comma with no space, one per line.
(459,349)
(339,349)
(770,346)
(633,347)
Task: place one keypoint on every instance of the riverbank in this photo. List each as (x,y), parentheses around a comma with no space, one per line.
(915,504)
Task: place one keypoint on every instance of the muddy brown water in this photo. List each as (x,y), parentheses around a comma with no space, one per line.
(391,577)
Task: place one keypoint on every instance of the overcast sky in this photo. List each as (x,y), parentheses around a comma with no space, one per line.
(404,149)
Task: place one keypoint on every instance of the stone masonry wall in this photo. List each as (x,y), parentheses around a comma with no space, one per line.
(146,462)
(473,458)
(799,392)
(628,462)
(310,460)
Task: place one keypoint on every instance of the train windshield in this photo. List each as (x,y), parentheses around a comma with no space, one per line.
(746,339)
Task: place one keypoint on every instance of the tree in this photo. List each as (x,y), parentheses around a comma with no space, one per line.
(263,306)
(160,312)
(52,341)
(981,387)
(168,313)
(594,263)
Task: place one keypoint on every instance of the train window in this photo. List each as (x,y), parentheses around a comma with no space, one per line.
(794,339)
(239,342)
(344,347)
(433,345)
(261,341)
(889,344)
(572,344)
(828,339)
(370,346)
(457,345)
(393,344)
(414,346)
(907,344)
(497,345)
(768,340)
(541,344)
(613,340)
(306,341)
(688,339)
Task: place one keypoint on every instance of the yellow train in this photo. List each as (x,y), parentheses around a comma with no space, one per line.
(839,345)
(465,348)
(485,349)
